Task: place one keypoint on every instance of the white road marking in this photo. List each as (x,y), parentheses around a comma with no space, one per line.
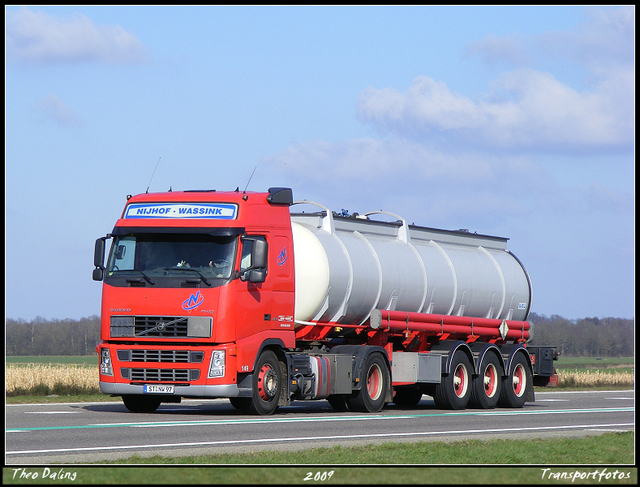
(51,412)
(322,438)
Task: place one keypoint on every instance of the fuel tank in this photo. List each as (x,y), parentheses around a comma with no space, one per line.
(346,267)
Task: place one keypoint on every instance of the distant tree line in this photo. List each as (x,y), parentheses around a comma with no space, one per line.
(52,337)
(589,337)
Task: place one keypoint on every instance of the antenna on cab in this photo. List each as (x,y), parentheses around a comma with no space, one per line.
(153,173)
(250,177)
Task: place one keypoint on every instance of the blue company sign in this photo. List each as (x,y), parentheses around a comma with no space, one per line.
(216,211)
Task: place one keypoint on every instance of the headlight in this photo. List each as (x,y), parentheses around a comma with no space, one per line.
(122,326)
(105,362)
(217,365)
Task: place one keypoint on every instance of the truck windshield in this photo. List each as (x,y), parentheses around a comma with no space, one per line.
(154,255)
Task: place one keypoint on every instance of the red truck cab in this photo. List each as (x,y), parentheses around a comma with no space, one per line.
(196,283)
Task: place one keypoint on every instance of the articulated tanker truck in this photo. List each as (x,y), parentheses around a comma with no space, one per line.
(241,295)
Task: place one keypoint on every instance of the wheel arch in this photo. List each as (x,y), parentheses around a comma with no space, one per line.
(480,350)
(276,346)
(510,352)
(448,349)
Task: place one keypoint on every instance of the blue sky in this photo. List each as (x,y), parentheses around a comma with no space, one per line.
(509,121)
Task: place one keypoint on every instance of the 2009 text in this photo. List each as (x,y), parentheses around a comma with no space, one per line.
(319,476)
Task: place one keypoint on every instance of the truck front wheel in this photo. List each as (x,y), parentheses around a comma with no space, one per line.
(372,396)
(267,383)
(141,404)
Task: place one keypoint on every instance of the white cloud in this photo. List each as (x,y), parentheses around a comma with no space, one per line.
(527,110)
(37,37)
(412,179)
(606,39)
(495,49)
(55,109)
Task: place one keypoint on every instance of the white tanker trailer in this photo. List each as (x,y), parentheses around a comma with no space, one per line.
(456,301)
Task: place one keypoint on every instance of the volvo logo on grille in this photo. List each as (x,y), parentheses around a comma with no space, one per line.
(162,326)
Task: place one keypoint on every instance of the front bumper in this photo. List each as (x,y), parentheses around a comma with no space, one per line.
(206,391)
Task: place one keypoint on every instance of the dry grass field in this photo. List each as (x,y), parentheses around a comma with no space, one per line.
(46,379)
(595,378)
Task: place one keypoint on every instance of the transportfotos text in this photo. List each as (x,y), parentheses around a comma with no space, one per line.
(599,475)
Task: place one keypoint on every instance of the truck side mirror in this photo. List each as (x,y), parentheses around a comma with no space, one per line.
(259,258)
(98,259)
(256,275)
(259,254)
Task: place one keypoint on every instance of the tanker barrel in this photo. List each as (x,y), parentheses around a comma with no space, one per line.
(347,268)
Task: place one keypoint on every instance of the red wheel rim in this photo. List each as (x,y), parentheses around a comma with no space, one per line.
(519,380)
(267,382)
(460,380)
(490,380)
(374,382)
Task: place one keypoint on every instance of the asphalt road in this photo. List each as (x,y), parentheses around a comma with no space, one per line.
(42,434)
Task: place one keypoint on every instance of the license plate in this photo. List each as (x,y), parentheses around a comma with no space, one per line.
(152,389)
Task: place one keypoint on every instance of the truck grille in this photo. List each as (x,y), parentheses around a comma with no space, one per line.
(161,326)
(160,375)
(161,356)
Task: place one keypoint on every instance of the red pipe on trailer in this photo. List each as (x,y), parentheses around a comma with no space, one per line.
(455,325)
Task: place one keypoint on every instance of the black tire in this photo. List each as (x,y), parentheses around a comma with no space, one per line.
(241,403)
(339,402)
(485,391)
(141,404)
(372,396)
(407,396)
(267,385)
(517,383)
(454,390)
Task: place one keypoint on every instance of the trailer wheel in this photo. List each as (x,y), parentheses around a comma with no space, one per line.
(371,398)
(141,404)
(454,390)
(267,382)
(516,383)
(485,391)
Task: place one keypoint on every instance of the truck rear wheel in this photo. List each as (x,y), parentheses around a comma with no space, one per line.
(485,391)
(141,404)
(454,390)
(267,383)
(371,397)
(407,396)
(516,383)
(339,402)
